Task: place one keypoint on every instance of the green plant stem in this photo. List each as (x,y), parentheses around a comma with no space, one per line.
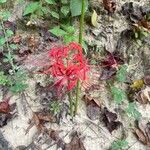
(82,22)
(71,103)
(80,41)
(8,48)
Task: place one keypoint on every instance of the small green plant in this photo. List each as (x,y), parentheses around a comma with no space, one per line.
(132,111)
(67,32)
(118,95)
(3,78)
(55,107)
(121,73)
(15,80)
(47,8)
(119,145)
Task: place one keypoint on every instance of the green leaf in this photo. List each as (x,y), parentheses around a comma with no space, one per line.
(94,18)
(3,1)
(2,41)
(13,46)
(64,1)
(133,112)
(18,87)
(31,8)
(9,33)
(58,32)
(118,95)
(68,29)
(121,73)
(3,78)
(70,38)
(76,6)
(54,14)
(5,15)
(50,1)
(65,10)
(119,145)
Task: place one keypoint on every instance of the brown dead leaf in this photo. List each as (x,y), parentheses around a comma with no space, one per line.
(88,100)
(93,107)
(140,135)
(38,119)
(142,132)
(4,106)
(33,42)
(110,120)
(144,23)
(110,5)
(16,39)
(147,80)
(75,144)
(143,96)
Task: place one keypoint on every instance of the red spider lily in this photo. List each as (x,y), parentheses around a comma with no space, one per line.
(67,66)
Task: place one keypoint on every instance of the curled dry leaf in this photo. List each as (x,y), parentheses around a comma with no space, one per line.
(143,96)
(140,135)
(94,18)
(88,100)
(147,80)
(137,84)
(143,134)
(110,5)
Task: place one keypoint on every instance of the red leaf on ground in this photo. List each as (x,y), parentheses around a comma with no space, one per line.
(110,5)
(4,106)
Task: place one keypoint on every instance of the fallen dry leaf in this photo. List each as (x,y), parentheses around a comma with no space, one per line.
(88,100)
(109,119)
(38,119)
(16,39)
(110,5)
(5,106)
(147,130)
(143,24)
(147,80)
(94,18)
(137,84)
(142,132)
(141,135)
(93,107)
(75,144)
(4,119)
(143,96)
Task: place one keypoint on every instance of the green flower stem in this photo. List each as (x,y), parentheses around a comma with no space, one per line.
(71,103)
(80,41)
(82,22)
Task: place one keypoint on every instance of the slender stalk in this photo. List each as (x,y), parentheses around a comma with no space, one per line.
(71,103)
(80,41)
(8,48)
(82,22)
